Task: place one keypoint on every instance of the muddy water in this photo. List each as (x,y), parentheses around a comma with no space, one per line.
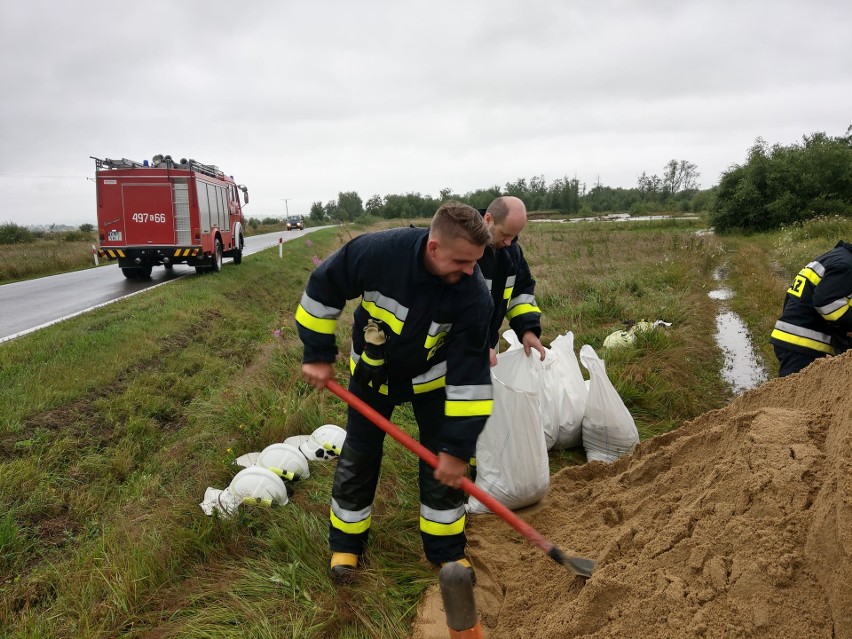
(742,368)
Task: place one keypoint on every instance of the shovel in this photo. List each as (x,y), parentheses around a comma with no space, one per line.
(578,565)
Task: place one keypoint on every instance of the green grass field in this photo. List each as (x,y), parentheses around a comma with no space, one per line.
(113,423)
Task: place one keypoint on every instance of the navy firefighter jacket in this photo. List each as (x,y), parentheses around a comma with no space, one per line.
(512,291)
(816,314)
(436,332)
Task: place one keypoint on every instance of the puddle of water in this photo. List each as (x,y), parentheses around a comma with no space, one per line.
(723,293)
(618,217)
(742,370)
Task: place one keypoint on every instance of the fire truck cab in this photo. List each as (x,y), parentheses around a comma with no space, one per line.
(166,213)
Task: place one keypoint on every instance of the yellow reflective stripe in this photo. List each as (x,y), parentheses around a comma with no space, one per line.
(811,275)
(120,253)
(381,314)
(480,408)
(371,361)
(520,309)
(803,341)
(351,529)
(507,292)
(472,462)
(426,387)
(836,315)
(442,530)
(324,326)
(431,340)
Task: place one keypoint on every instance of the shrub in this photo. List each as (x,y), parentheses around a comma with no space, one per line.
(11,233)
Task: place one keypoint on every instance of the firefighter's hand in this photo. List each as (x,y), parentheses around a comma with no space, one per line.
(450,470)
(492,357)
(317,374)
(531,341)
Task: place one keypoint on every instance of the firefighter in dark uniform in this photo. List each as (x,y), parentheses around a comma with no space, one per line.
(816,321)
(508,277)
(419,336)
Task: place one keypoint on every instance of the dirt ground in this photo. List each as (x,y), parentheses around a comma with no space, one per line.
(738,524)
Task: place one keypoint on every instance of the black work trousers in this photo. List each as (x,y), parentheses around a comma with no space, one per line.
(441,507)
(794,361)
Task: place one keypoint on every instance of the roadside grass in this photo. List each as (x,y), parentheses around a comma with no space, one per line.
(113,423)
(55,253)
(47,255)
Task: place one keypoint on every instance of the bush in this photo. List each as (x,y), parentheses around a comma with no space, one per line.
(783,185)
(11,233)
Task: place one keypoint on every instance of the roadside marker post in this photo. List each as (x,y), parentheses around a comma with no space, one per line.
(95,254)
(281,248)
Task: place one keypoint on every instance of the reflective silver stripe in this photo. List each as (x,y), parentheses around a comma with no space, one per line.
(473,392)
(350,516)
(388,303)
(510,281)
(438,370)
(817,268)
(319,310)
(828,309)
(355,356)
(522,299)
(436,329)
(803,332)
(441,516)
(488,284)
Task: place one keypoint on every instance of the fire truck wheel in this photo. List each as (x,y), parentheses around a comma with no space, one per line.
(133,272)
(216,258)
(238,252)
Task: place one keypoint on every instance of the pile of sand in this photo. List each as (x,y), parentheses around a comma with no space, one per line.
(738,524)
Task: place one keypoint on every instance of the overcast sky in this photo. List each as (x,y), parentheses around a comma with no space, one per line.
(302,100)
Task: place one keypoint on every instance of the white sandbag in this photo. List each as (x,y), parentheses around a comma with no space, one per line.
(561,390)
(608,427)
(564,395)
(511,457)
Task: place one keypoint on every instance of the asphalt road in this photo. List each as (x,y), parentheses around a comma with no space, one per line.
(29,306)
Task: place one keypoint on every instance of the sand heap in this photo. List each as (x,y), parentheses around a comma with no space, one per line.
(738,524)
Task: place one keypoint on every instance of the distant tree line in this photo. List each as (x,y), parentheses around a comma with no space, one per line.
(781,185)
(676,190)
(11,233)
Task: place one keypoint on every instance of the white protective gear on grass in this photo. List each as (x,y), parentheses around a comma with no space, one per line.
(324,443)
(257,485)
(285,460)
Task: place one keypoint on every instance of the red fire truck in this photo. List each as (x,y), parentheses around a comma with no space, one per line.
(167,212)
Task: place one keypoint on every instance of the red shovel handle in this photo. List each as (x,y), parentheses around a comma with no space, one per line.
(580,566)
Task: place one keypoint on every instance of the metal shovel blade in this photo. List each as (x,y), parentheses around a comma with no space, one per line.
(578,565)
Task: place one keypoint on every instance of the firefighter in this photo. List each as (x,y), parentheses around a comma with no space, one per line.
(508,277)
(419,336)
(816,320)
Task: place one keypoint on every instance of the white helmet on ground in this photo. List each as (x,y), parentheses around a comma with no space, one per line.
(284,460)
(325,442)
(257,485)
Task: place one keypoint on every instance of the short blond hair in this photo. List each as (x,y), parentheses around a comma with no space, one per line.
(454,219)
